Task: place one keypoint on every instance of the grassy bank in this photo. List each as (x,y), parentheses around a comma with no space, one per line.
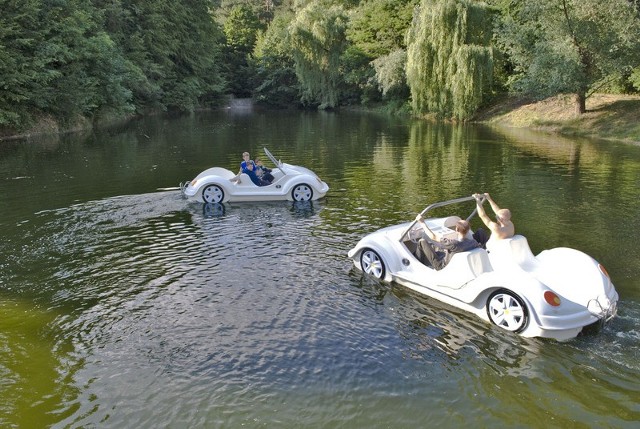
(611,117)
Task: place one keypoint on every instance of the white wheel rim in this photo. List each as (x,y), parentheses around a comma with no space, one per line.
(302,193)
(371,264)
(506,312)
(212,194)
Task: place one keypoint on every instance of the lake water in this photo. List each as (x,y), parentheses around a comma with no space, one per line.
(124,306)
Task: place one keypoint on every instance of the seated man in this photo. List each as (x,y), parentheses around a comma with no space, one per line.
(439,253)
(503,226)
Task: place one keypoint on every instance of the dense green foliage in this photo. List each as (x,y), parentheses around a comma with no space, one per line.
(317,36)
(82,59)
(74,61)
(241,29)
(449,60)
(275,66)
(569,46)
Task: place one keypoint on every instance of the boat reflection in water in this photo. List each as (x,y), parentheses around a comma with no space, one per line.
(213,210)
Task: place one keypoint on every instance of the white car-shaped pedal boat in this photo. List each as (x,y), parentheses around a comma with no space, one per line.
(552,295)
(291,182)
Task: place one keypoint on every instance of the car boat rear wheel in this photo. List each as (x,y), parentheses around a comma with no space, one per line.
(372,263)
(507,310)
(212,194)
(302,192)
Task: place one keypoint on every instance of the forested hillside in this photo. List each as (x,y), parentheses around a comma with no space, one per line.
(78,62)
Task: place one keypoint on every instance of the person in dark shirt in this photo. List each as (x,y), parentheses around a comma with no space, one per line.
(263,172)
(439,252)
(250,171)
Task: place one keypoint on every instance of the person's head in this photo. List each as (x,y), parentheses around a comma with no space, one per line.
(462,227)
(250,165)
(258,161)
(246,156)
(503,215)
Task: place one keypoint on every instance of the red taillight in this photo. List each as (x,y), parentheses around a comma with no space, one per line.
(551,298)
(603,270)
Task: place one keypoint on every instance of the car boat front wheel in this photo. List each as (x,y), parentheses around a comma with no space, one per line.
(302,192)
(212,194)
(372,263)
(507,310)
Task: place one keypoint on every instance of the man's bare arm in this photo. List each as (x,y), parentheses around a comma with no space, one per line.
(426,229)
(494,206)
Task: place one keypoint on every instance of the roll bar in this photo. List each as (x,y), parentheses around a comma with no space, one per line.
(442,204)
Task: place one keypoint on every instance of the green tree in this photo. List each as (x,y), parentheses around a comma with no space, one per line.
(449,66)
(274,65)
(263,9)
(23,71)
(176,46)
(391,75)
(569,46)
(378,27)
(56,59)
(317,36)
(376,31)
(241,29)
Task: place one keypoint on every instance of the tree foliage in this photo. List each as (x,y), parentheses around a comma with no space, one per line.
(569,46)
(56,59)
(274,65)
(449,65)
(73,59)
(378,27)
(241,29)
(317,35)
(391,74)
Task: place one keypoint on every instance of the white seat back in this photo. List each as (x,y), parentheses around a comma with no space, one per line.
(514,251)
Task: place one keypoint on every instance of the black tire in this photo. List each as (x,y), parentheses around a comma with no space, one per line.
(302,192)
(371,263)
(212,194)
(507,310)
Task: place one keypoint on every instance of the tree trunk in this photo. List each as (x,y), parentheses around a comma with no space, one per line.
(581,103)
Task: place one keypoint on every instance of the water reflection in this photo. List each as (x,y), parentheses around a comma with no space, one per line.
(213,210)
(301,209)
(435,332)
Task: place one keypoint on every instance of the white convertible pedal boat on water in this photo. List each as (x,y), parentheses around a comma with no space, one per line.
(291,182)
(555,294)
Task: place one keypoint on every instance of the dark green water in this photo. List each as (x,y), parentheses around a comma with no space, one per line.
(123,305)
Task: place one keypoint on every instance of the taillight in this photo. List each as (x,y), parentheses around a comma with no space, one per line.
(551,298)
(603,270)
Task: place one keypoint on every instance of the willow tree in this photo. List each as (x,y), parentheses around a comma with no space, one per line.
(450,61)
(317,36)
